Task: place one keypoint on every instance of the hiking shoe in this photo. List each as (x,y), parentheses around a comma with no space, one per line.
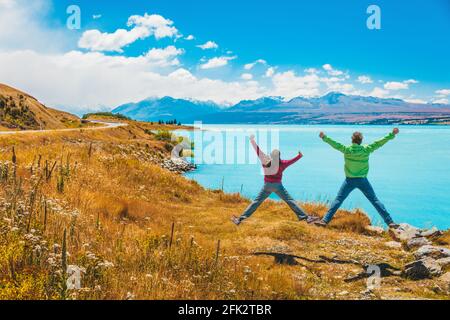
(236,220)
(320,223)
(393,225)
(311,219)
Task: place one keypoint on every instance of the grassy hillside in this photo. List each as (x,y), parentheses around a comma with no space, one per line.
(100,201)
(20,111)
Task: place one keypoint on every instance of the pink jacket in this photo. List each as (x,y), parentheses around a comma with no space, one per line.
(274,178)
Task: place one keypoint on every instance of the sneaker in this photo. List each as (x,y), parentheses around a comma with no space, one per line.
(236,220)
(320,223)
(311,219)
(393,225)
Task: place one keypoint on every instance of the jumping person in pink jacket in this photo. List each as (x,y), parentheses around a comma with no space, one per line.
(273,168)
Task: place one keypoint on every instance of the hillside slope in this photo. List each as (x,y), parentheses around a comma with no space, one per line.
(20,111)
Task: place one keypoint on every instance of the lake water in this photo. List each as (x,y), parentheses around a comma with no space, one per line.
(411,174)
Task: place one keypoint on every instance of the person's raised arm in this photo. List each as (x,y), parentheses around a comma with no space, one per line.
(381,142)
(261,155)
(334,144)
(287,163)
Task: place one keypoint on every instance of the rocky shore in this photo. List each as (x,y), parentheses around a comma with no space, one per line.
(428,260)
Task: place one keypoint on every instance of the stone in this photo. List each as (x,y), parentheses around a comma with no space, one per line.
(373,230)
(431,233)
(432,252)
(425,268)
(417,242)
(393,244)
(404,232)
(444,280)
(444,262)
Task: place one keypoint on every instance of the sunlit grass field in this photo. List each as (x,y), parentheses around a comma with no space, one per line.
(98,201)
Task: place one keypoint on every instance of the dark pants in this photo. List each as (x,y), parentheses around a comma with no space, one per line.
(364,185)
(265,192)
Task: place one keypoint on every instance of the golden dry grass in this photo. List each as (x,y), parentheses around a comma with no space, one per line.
(117,208)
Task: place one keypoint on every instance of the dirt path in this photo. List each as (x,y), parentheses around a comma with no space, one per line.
(106,125)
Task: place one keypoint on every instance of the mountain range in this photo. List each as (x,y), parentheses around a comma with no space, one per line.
(332,108)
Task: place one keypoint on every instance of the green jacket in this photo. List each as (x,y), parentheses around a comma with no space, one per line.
(357,156)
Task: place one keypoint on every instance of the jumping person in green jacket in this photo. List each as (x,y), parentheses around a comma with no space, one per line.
(356,170)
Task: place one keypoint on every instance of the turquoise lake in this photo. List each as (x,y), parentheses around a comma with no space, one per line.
(411,174)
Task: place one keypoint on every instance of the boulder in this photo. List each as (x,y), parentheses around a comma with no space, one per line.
(431,233)
(404,232)
(425,268)
(417,242)
(444,282)
(432,252)
(373,230)
(393,244)
(444,263)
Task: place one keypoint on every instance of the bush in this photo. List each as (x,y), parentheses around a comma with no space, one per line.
(106,114)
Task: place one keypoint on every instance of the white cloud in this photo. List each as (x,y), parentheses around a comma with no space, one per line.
(379,92)
(365,79)
(417,101)
(311,70)
(270,72)
(22,26)
(247,76)
(250,66)
(216,62)
(190,37)
(443,92)
(84,81)
(96,16)
(441,101)
(394,85)
(208,45)
(143,27)
(164,57)
(331,71)
(289,85)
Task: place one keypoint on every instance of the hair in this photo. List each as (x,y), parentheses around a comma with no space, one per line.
(357,137)
(275,155)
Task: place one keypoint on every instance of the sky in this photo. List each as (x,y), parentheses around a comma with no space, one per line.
(223,51)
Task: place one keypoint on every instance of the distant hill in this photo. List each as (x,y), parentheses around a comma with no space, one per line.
(167,108)
(333,108)
(20,111)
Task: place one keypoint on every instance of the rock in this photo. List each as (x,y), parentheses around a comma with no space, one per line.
(417,242)
(432,252)
(431,233)
(444,262)
(393,244)
(373,230)
(444,280)
(404,232)
(422,269)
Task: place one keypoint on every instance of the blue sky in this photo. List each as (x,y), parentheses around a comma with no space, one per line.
(303,48)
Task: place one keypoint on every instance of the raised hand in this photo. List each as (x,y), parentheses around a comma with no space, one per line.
(321,135)
(252,137)
(395,131)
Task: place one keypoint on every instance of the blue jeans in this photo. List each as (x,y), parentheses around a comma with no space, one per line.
(364,185)
(265,192)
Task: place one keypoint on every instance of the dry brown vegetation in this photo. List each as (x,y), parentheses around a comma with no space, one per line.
(93,199)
